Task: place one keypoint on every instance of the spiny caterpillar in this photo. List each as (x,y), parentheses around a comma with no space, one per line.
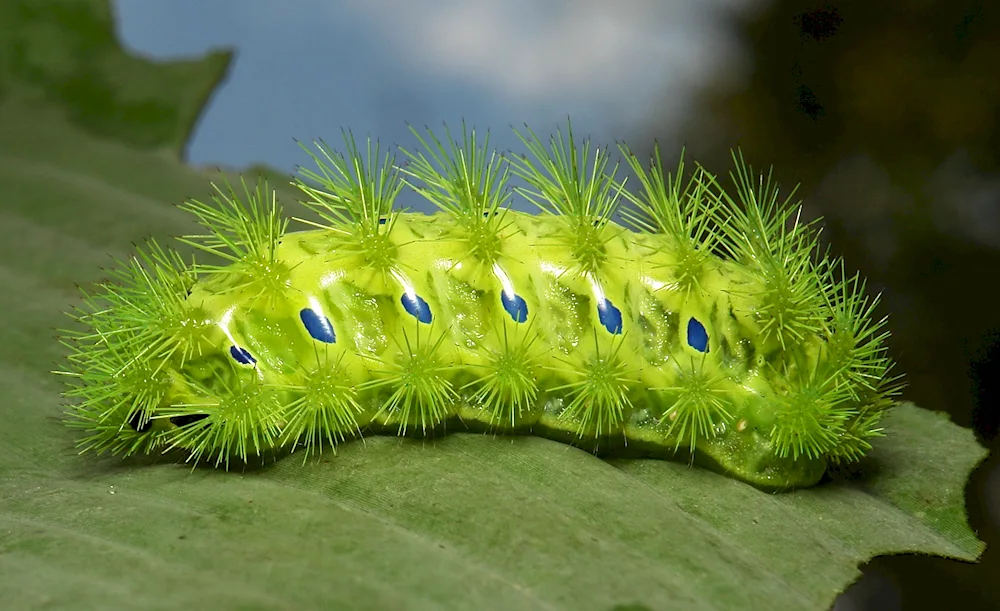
(704,325)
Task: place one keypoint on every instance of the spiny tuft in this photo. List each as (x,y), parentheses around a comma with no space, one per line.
(354,195)
(508,387)
(856,339)
(770,240)
(326,408)
(116,396)
(683,211)
(810,416)
(700,400)
(599,398)
(467,181)
(243,231)
(583,201)
(422,393)
(244,422)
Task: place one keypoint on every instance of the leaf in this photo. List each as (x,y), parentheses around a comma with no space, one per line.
(67,51)
(460,522)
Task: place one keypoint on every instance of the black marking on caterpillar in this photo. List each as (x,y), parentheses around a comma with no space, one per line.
(705,325)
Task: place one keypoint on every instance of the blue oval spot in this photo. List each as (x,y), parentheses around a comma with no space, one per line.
(319,327)
(610,316)
(697,335)
(241,355)
(382,221)
(416,307)
(515,306)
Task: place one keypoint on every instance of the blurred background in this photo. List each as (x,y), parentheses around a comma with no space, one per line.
(886,112)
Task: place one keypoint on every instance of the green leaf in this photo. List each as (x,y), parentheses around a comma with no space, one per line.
(460,522)
(66,51)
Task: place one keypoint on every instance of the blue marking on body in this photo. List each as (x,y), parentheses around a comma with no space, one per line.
(241,355)
(515,306)
(382,221)
(697,335)
(318,326)
(416,307)
(610,316)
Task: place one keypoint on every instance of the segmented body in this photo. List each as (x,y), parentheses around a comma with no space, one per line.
(568,326)
(625,330)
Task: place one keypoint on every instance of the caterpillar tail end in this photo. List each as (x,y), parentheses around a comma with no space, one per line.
(754,461)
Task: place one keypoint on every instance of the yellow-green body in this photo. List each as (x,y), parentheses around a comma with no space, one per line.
(465,299)
(710,330)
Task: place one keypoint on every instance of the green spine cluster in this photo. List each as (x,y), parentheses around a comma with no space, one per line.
(702,324)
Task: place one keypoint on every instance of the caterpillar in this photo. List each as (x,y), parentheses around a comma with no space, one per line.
(672,320)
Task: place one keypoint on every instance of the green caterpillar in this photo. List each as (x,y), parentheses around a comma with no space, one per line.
(704,326)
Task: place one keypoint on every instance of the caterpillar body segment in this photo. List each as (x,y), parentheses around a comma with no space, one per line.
(706,326)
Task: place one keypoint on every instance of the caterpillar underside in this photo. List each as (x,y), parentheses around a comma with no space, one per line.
(700,326)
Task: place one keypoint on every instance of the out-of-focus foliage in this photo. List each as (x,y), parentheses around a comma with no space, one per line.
(66,51)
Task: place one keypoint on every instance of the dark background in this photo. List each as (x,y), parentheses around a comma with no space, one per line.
(887,113)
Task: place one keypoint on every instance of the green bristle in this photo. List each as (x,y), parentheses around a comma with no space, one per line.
(700,402)
(685,213)
(116,396)
(810,417)
(244,232)
(598,397)
(242,422)
(508,386)
(132,327)
(326,408)
(857,341)
(421,392)
(855,440)
(780,250)
(468,182)
(142,308)
(353,194)
(584,201)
